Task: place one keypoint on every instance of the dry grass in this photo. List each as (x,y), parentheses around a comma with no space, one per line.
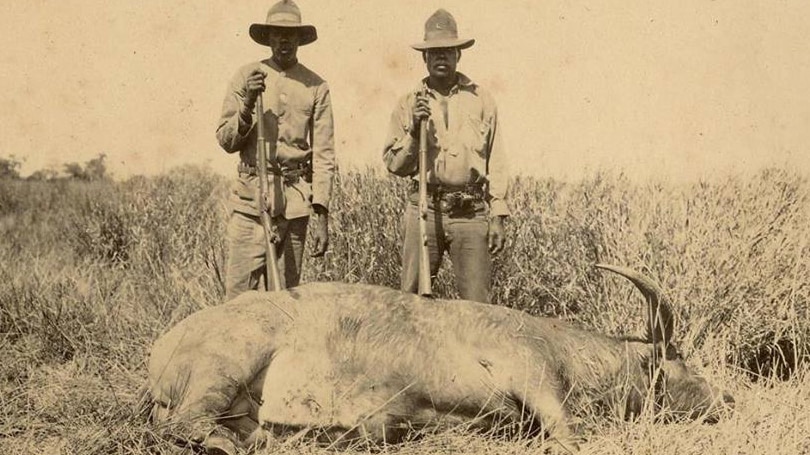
(94,272)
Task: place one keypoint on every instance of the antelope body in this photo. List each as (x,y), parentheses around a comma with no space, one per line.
(361,361)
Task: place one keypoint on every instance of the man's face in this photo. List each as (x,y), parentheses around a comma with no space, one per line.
(284,44)
(441,62)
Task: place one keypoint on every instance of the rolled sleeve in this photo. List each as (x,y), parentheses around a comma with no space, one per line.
(401,151)
(235,122)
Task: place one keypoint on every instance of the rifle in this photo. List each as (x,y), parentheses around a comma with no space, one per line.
(272,280)
(424,254)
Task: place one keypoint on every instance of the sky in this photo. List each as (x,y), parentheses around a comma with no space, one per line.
(653,88)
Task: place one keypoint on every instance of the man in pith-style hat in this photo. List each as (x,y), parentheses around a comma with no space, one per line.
(466,166)
(299,129)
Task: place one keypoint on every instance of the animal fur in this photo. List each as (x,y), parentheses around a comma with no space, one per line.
(368,362)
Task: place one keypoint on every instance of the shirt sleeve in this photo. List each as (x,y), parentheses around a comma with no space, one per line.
(497,170)
(236,120)
(323,147)
(401,151)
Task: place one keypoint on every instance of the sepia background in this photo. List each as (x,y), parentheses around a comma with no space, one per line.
(670,137)
(681,89)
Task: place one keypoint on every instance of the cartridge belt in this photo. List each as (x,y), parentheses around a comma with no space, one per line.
(454,200)
(441,191)
(291,174)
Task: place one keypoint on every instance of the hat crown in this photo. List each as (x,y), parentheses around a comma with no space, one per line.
(283,15)
(441,31)
(441,25)
(285,12)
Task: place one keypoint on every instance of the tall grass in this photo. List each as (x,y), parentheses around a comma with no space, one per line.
(93,272)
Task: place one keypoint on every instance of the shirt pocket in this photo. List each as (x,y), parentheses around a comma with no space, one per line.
(302,109)
(298,107)
(476,135)
(294,124)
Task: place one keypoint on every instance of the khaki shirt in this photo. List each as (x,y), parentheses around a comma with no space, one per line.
(298,127)
(464,142)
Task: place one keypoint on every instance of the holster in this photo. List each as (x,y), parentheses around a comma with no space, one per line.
(454,200)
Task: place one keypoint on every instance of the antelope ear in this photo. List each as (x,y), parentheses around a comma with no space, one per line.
(660,325)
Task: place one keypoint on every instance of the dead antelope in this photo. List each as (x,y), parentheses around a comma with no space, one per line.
(362,361)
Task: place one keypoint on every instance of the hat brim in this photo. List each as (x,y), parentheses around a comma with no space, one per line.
(440,43)
(260,32)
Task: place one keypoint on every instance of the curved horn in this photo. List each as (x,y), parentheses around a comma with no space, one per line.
(660,323)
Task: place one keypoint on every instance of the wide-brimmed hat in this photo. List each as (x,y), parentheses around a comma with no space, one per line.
(441,31)
(283,15)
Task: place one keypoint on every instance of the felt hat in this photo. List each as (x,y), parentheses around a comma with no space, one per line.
(283,15)
(441,31)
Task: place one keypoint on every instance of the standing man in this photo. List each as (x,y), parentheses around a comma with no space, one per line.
(466,167)
(298,129)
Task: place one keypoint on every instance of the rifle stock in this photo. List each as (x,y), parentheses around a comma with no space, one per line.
(272,281)
(424,254)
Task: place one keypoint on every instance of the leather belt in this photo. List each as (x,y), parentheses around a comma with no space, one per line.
(438,190)
(290,174)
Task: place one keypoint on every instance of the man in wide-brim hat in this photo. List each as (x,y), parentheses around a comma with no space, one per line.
(298,128)
(283,16)
(466,167)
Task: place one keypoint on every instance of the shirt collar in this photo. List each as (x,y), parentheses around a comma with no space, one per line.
(272,64)
(463,83)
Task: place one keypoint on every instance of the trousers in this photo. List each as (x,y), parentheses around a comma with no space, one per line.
(464,236)
(247,252)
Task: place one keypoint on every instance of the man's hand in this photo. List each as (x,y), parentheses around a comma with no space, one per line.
(254,85)
(320,232)
(496,235)
(421,110)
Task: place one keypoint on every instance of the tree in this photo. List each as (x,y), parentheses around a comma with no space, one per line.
(43,175)
(75,171)
(96,169)
(92,170)
(10,167)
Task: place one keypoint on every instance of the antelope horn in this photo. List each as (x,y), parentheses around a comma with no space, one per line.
(659,311)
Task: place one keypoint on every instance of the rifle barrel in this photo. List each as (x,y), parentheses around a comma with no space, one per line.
(272,281)
(424,253)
